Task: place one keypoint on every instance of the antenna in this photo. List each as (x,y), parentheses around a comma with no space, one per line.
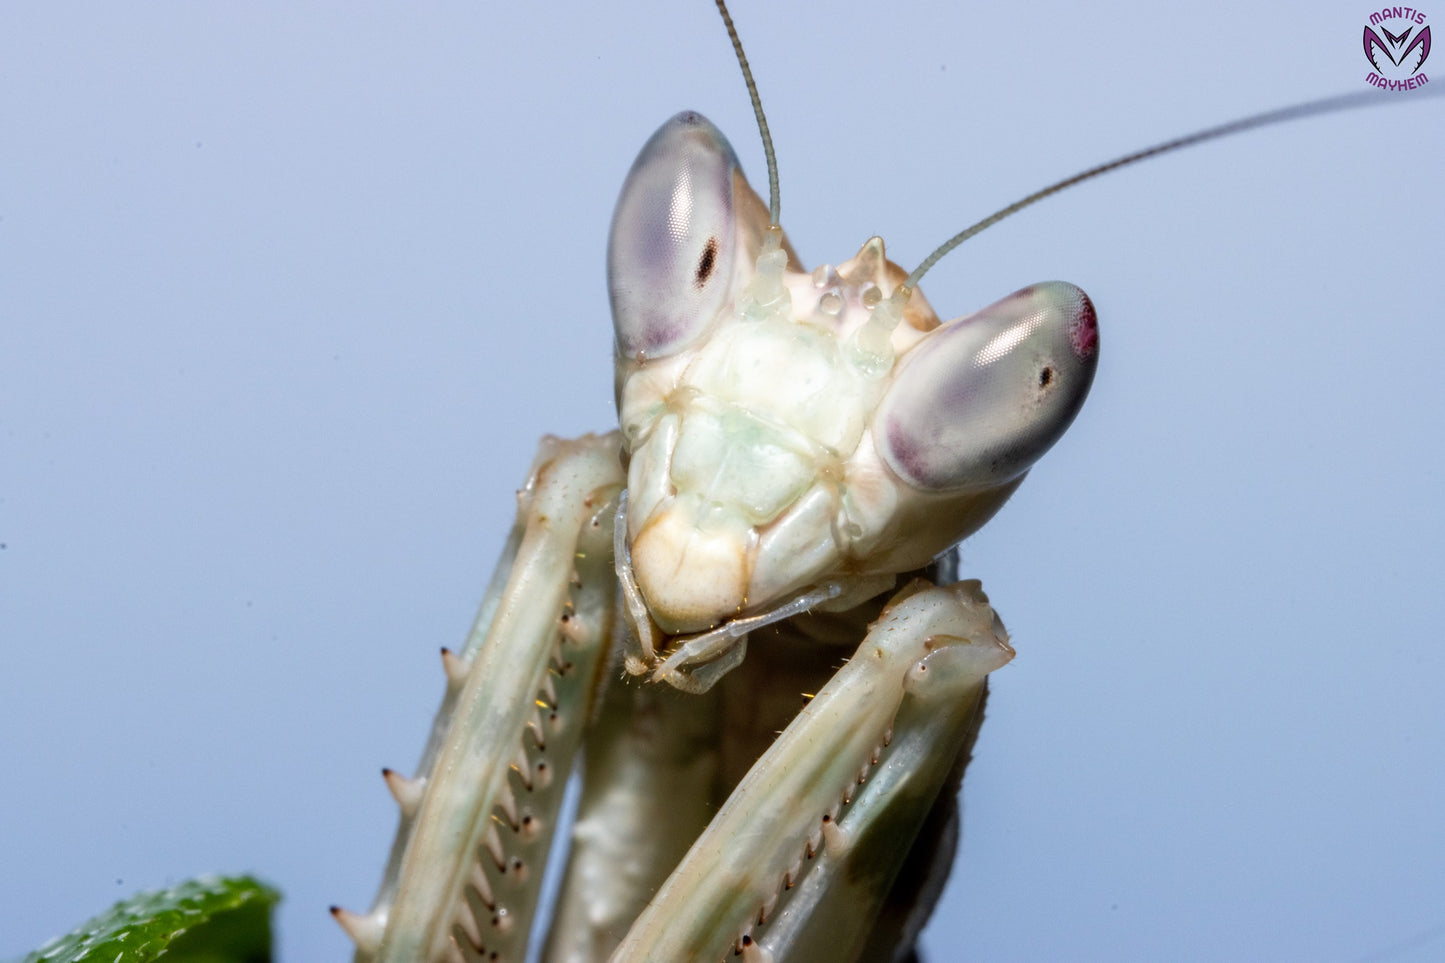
(1280,115)
(774,220)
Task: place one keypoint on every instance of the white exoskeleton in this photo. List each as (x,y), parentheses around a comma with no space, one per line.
(796,449)
(789,446)
(797,439)
(794,440)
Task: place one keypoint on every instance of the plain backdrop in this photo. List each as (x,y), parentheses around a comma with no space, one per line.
(288,292)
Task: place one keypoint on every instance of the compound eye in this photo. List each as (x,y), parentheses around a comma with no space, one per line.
(670,254)
(982,398)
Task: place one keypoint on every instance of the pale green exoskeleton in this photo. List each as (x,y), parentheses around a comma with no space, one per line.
(777,462)
(797,435)
(795,447)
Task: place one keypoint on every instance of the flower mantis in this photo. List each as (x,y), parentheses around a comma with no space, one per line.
(1122,568)
(777,459)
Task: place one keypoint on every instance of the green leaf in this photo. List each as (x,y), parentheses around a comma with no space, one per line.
(208,920)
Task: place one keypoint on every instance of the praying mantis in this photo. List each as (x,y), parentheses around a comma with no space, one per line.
(1130,581)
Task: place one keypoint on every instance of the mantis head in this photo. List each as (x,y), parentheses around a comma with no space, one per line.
(787,429)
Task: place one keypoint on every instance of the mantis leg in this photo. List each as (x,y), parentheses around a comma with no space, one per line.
(827,812)
(806,849)
(477,820)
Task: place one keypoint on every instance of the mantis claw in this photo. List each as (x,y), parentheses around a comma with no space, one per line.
(919,674)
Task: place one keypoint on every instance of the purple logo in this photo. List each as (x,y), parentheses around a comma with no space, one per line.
(1397,44)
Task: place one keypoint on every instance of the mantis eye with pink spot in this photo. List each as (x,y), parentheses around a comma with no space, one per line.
(982,398)
(671,251)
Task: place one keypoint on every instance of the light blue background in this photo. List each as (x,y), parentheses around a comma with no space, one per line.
(287,296)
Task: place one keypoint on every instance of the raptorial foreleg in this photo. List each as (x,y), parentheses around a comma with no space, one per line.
(829,812)
(477,819)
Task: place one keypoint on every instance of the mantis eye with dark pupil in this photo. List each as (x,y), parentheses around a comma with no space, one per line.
(670,254)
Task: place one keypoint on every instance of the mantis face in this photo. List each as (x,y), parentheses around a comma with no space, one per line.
(789,429)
